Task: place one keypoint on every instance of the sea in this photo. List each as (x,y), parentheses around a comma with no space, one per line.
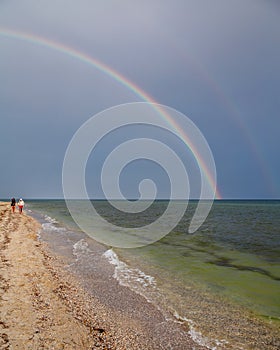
(223,277)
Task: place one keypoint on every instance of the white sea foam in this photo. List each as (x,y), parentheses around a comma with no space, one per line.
(144,284)
(51,225)
(213,344)
(50,219)
(130,277)
(80,249)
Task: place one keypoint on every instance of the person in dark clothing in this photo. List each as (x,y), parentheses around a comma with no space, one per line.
(13,204)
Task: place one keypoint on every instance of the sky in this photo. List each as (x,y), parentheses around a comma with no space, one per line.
(217,62)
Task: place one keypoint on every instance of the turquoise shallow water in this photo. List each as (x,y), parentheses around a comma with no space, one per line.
(233,258)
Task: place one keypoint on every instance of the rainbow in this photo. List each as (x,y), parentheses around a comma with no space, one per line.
(41,41)
(235,114)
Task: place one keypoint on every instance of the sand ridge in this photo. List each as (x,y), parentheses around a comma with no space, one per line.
(33,312)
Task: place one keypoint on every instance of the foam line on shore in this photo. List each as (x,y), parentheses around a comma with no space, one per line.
(146,285)
(130,277)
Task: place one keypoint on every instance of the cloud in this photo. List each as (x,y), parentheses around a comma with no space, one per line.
(218,62)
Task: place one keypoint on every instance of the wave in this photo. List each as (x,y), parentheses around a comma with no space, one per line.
(80,249)
(146,286)
(133,278)
(51,224)
(212,344)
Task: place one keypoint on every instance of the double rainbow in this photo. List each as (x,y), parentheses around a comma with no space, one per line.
(41,41)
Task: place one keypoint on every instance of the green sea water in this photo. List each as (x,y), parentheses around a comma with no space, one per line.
(236,253)
(228,270)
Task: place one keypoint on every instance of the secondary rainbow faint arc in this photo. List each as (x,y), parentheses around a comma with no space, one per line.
(38,40)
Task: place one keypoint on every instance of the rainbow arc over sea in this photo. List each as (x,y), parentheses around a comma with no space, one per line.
(70,51)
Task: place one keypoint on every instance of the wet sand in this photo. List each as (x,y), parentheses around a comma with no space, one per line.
(43,306)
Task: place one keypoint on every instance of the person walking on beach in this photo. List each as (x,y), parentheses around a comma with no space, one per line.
(20,205)
(13,204)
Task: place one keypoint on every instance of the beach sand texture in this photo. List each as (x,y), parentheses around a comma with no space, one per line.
(44,307)
(33,313)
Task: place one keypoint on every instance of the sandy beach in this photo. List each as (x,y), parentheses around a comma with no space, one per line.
(44,307)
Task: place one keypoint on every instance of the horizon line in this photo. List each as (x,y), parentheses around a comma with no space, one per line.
(151,199)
